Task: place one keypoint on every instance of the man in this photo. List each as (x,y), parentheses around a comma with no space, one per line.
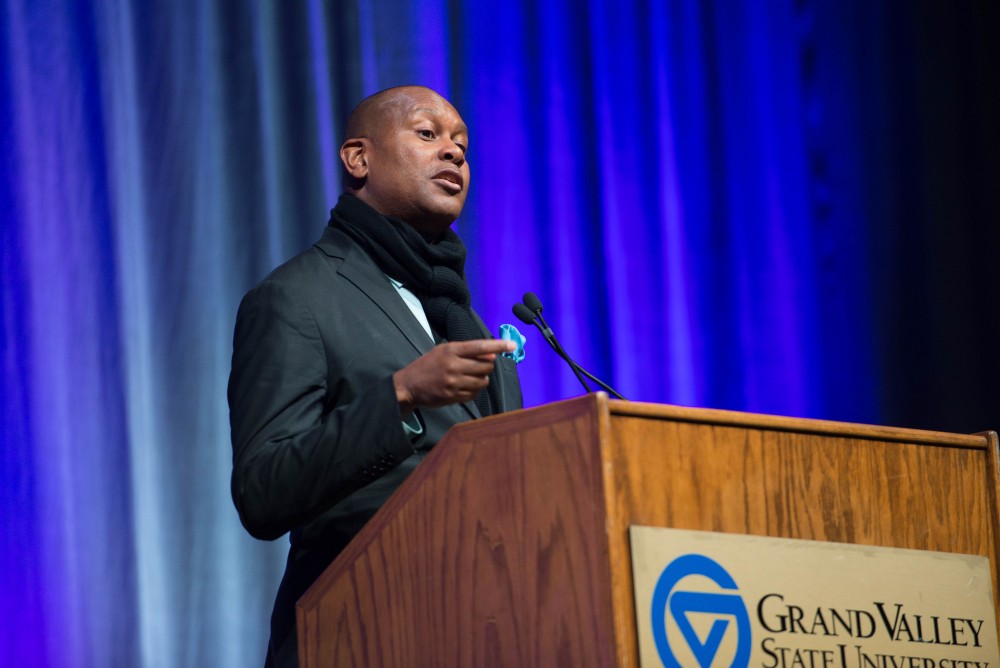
(353,359)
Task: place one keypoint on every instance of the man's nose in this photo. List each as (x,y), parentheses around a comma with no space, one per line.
(452,152)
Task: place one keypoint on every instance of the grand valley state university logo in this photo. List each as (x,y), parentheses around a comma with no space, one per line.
(724,609)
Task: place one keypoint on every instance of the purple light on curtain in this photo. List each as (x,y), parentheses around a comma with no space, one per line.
(555,119)
(530,218)
(665,260)
(61,335)
(681,381)
(627,231)
(329,142)
(429,53)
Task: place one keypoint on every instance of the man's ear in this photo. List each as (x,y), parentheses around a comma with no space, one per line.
(354,155)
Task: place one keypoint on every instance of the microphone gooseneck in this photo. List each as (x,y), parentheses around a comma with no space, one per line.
(530,313)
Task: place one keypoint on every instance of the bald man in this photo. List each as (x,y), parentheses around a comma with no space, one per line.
(352,360)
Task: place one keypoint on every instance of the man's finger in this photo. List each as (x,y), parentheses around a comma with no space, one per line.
(479,347)
(475,366)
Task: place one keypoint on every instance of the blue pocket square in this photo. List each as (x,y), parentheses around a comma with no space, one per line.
(510,333)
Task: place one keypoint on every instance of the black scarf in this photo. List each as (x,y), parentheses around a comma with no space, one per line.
(435,273)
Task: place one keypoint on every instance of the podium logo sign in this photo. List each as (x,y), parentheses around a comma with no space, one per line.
(724,610)
(708,600)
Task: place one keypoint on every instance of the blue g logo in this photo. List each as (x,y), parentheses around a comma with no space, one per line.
(729,607)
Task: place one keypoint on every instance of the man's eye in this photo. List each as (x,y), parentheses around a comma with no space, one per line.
(426,134)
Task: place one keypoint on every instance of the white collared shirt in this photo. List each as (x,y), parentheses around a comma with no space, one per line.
(413,302)
(413,425)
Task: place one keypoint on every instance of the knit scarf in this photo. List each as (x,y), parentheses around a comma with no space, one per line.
(435,273)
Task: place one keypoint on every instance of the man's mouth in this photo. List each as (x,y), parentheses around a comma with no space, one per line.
(450,180)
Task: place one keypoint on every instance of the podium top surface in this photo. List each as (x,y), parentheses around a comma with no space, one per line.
(780,423)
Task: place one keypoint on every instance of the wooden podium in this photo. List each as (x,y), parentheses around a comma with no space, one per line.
(509,545)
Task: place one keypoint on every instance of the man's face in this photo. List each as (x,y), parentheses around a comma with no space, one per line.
(416,162)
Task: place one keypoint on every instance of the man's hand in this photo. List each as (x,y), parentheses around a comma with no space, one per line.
(451,373)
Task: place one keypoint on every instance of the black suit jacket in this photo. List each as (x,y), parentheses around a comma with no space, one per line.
(318,442)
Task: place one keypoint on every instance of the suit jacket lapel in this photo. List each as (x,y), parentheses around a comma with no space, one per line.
(361,270)
(358,268)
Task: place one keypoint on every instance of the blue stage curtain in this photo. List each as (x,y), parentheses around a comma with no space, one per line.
(756,206)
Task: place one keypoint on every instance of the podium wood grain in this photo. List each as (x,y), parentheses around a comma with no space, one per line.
(508,546)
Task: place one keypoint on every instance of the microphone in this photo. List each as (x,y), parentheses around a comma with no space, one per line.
(525,315)
(532,301)
(530,313)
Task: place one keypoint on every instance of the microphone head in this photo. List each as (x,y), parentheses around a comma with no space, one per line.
(532,302)
(524,314)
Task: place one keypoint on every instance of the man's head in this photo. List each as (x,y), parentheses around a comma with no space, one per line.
(404,154)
